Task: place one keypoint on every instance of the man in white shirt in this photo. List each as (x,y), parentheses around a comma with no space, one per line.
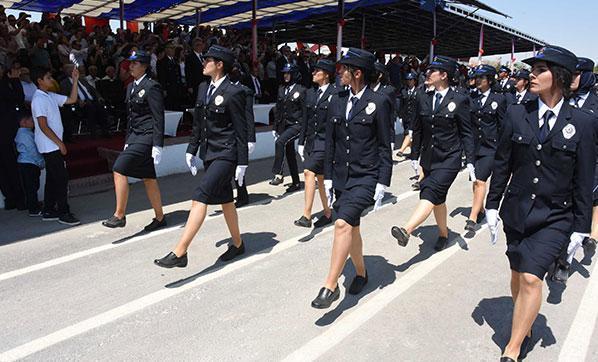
(48,139)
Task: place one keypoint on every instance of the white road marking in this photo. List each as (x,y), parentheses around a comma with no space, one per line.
(136,305)
(101,248)
(319,345)
(575,347)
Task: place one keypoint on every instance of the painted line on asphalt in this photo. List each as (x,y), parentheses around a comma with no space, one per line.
(576,345)
(101,248)
(341,329)
(136,305)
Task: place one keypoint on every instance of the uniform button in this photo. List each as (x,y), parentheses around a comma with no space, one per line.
(432,146)
(347,138)
(564,147)
(347,164)
(535,180)
(432,126)
(538,163)
(539,147)
(480,136)
(347,151)
(533,196)
(519,138)
(565,203)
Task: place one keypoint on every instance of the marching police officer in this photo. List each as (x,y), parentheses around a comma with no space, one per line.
(408,109)
(290,115)
(382,85)
(487,112)
(358,166)
(220,135)
(504,84)
(143,146)
(521,94)
(545,162)
(441,132)
(313,140)
(235,76)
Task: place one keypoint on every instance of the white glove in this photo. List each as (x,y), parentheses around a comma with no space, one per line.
(493,220)
(415,165)
(157,154)
(240,174)
(329,193)
(410,133)
(250,147)
(392,146)
(378,196)
(275,135)
(471,170)
(575,242)
(301,151)
(126,145)
(191,163)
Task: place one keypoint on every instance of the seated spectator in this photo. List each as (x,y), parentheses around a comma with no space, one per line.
(29,162)
(92,77)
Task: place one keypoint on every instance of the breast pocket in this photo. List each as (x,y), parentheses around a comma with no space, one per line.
(521,139)
(568,147)
(218,114)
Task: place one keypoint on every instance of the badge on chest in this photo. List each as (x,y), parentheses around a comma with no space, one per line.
(141,93)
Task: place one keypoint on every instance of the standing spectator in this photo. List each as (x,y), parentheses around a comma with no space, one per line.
(39,54)
(30,162)
(194,68)
(169,76)
(28,87)
(11,99)
(48,139)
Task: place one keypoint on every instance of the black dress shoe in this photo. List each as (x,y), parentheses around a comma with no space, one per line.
(171,261)
(400,234)
(233,252)
(470,225)
(303,222)
(358,284)
(155,224)
(507,359)
(590,243)
(276,181)
(441,243)
(325,298)
(561,272)
(115,222)
(293,188)
(323,221)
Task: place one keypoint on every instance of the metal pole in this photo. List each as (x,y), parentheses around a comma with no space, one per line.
(363,31)
(122,14)
(434,38)
(340,25)
(197,16)
(254,33)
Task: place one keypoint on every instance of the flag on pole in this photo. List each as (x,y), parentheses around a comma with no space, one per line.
(481,45)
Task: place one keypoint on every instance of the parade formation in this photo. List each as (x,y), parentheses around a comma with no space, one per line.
(527,140)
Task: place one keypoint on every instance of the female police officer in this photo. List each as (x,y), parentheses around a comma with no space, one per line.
(487,111)
(358,166)
(143,148)
(545,161)
(441,131)
(220,128)
(290,115)
(313,139)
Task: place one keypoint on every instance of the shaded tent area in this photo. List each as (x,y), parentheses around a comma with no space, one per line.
(387,25)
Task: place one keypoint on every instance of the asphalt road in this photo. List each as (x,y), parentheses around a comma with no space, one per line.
(91,293)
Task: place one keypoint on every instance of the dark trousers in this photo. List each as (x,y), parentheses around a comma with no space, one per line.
(285,146)
(10,184)
(57,180)
(30,178)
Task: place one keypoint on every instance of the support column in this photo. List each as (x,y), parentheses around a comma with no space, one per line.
(254,33)
(122,14)
(340,25)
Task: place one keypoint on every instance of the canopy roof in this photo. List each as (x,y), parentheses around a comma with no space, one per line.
(390,24)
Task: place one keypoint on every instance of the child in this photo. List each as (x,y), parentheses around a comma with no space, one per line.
(48,139)
(29,162)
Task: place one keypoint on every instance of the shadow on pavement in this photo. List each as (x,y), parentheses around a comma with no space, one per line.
(256,243)
(498,312)
(380,274)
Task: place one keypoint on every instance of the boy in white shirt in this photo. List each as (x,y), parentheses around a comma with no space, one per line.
(48,139)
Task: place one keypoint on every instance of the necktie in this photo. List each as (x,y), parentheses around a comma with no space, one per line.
(354,101)
(438,97)
(545,129)
(576,100)
(518,98)
(319,93)
(85,94)
(209,94)
(258,90)
(287,90)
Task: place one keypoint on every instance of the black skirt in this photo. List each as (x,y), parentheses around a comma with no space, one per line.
(351,203)
(536,252)
(136,161)
(435,185)
(483,167)
(215,187)
(314,162)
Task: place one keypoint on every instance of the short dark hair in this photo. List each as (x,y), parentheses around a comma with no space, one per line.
(562,78)
(39,73)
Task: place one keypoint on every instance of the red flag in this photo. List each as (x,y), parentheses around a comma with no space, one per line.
(90,23)
(300,45)
(133,26)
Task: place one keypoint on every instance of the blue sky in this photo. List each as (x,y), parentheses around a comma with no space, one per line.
(567,23)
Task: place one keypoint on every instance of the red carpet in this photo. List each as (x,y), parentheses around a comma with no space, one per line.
(83,160)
